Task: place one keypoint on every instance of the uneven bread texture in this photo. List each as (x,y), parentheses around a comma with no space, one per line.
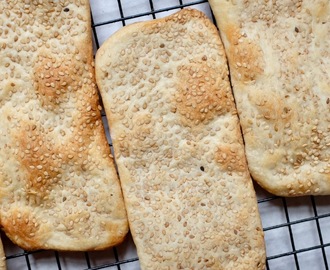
(178,147)
(58,184)
(279,57)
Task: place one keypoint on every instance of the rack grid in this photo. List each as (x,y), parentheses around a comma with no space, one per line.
(297,230)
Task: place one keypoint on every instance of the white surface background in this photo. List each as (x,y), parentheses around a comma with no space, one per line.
(300,211)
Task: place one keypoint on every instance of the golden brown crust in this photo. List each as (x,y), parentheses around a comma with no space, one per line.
(178,147)
(279,57)
(58,185)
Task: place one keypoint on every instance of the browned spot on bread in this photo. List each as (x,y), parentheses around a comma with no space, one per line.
(7,90)
(113,228)
(202,92)
(231,158)
(24,227)
(54,79)
(123,145)
(271,107)
(244,55)
(41,152)
(321,9)
(184,17)
(139,140)
(41,159)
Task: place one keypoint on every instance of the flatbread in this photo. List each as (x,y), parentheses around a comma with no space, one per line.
(279,57)
(178,147)
(58,184)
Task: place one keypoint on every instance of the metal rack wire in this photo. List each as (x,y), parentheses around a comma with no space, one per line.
(297,230)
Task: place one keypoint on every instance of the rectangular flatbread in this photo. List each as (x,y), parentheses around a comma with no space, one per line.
(178,147)
(58,184)
(279,58)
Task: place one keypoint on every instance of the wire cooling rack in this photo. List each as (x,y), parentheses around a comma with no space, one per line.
(297,230)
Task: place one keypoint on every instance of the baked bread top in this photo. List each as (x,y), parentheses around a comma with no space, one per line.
(177,143)
(279,58)
(58,184)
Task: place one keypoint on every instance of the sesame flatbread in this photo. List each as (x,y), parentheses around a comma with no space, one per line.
(279,57)
(58,184)
(178,147)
